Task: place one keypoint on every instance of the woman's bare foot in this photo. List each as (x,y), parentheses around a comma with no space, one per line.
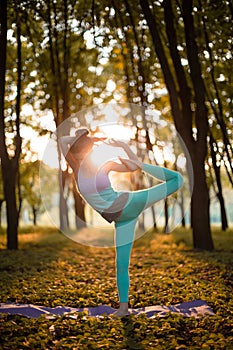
(122,311)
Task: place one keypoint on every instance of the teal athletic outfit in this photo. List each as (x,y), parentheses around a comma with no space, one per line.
(124,208)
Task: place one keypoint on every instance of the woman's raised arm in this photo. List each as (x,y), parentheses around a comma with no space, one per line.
(133,158)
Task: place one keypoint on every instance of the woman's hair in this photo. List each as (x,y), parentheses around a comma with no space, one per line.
(78,150)
(81,146)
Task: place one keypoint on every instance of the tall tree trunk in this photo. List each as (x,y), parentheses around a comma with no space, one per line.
(166,216)
(34,213)
(3,44)
(63,208)
(166,206)
(183,221)
(80,218)
(219,185)
(1,203)
(60,62)
(201,221)
(200,207)
(9,172)
(182,113)
(10,166)
(217,108)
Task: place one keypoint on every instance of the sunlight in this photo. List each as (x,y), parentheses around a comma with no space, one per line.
(49,155)
(104,152)
(111,85)
(116,131)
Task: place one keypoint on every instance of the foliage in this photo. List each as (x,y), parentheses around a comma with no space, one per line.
(70,50)
(51,270)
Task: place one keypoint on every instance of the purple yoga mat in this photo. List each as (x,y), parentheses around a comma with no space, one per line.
(194,308)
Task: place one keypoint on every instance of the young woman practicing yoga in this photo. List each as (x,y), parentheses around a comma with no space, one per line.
(123,208)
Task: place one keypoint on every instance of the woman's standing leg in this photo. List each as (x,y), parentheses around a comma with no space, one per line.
(124,241)
(125,226)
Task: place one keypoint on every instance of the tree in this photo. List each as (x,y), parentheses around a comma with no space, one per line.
(187,99)
(69,84)
(219,191)
(2,199)
(10,163)
(215,27)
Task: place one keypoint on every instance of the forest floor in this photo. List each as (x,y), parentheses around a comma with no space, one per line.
(51,270)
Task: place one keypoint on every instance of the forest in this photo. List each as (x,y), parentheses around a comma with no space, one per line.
(170,59)
(156,74)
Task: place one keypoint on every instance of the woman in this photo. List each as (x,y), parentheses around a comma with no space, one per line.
(123,208)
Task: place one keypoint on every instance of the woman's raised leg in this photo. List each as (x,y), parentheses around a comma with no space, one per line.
(172,182)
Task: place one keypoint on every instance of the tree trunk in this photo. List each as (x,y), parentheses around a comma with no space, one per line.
(200,207)
(1,203)
(183,221)
(10,166)
(34,213)
(217,108)
(9,180)
(63,209)
(181,110)
(219,185)
(80,218)
(60,63)
(201,223)
(153,216)
(166,216)
(224,220)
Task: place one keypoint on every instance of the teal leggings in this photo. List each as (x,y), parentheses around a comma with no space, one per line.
(125,224)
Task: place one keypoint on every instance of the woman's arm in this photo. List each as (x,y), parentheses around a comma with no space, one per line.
(133,158)
(65,142)
(122,167)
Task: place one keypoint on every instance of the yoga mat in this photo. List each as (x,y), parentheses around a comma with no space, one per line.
(195,308)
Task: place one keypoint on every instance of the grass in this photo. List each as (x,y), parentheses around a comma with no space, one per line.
(51,270)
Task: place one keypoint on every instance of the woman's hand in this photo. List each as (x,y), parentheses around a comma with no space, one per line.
(116,143)
(98,139)
(133,161)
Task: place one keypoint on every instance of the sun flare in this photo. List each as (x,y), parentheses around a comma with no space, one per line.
(104,153)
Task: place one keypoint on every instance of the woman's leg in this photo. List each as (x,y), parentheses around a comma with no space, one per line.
(172,182)
(125,224)
(124,241)
(140,200)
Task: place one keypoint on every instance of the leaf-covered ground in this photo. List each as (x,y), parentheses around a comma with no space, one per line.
(51,270)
